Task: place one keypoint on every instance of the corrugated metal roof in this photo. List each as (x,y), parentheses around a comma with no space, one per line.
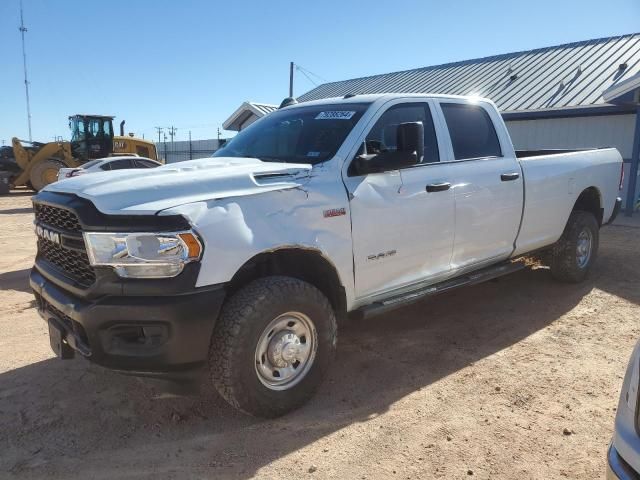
(570,75)
(264,108)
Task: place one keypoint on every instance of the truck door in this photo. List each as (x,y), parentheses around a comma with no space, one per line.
(402,234)
(488,184)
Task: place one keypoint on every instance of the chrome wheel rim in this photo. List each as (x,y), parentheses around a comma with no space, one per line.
(286,351)
(583,248)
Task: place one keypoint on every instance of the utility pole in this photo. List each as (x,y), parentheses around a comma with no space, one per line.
(160,130)
(166,159)
(190,149)
(291,79)
(23,29)
(172,133)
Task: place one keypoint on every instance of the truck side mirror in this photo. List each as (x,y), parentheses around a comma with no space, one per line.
(409,151)
(410,139)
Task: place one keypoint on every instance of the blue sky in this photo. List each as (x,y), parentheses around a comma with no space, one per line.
(191,63)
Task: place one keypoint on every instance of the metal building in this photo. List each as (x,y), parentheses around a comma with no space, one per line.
(577,95)
(246,114)
(182,150)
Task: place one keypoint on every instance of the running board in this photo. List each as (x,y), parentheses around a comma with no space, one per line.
(410,297)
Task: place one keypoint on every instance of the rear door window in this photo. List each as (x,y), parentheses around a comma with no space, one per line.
(471,131)
(120,164)
(141,163)
(90,164)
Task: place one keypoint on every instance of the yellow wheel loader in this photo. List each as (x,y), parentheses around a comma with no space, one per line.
(36,164)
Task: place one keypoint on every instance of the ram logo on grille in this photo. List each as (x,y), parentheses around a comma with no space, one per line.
(48,234)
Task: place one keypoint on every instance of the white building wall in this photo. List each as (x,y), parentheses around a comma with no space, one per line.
(577,132)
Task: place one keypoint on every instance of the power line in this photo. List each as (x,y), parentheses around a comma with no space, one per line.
(308,77)
(303,69)
(201,125)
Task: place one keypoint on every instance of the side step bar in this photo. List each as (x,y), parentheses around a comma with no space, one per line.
(413,296)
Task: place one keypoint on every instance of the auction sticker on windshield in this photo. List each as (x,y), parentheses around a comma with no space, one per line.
(335,115)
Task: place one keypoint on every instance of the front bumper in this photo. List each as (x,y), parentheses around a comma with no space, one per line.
(152,335)
(617,468)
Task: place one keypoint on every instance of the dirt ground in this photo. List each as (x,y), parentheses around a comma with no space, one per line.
(514,378)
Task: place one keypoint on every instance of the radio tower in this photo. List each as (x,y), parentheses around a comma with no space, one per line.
(24,61)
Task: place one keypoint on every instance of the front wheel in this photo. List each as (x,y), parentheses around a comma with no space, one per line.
(573,255)
(272,345)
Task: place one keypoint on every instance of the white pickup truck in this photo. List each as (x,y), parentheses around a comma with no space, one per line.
(242,263)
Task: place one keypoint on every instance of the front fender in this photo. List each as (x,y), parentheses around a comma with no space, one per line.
(234,230)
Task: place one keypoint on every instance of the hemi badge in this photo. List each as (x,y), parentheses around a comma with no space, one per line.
(335,212)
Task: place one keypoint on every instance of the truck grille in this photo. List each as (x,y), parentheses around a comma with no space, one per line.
(57,217)
(71,262)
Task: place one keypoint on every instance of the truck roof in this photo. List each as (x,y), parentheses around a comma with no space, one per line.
(373,97)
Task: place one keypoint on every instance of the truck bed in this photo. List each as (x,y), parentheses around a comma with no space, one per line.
(550,151)
(551,178)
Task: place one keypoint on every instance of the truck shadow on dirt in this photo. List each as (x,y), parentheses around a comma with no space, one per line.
(71,418)
(16,280)
(11,211)
(19,192)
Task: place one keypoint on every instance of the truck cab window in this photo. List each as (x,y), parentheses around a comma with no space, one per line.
(383,135)
(471,131)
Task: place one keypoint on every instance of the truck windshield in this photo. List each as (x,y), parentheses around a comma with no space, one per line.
(296,135)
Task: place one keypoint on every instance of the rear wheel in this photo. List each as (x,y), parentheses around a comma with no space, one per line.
(44,173)
(573,255)
(272,345)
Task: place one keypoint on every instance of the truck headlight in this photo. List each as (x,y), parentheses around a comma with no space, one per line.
(143,255)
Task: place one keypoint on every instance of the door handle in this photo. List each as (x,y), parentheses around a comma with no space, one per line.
(507,177)
(438,187)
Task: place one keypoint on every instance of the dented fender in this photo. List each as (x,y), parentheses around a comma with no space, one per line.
(234,230)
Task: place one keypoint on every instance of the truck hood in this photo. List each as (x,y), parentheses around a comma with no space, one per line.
(144,191)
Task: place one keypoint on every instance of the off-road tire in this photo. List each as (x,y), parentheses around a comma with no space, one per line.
(563,262)
(244,317)
(37,175)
